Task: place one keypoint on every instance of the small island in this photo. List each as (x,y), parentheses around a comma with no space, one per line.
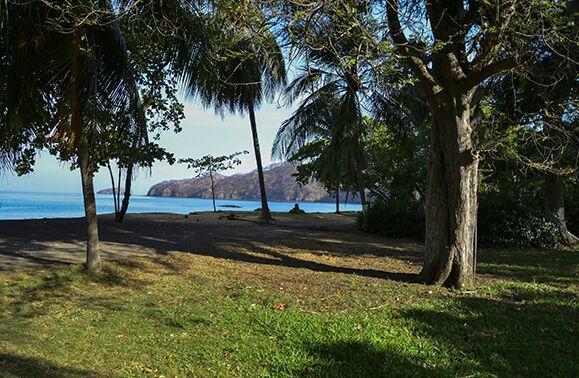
(109,191)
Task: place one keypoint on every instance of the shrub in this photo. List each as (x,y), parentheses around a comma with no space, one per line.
(531,231)
(514,221)
(393,218)
(502,221)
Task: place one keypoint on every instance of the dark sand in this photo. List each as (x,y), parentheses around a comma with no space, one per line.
(317,242)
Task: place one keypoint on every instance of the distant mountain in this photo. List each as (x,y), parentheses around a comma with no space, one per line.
(280,184)
(109,191)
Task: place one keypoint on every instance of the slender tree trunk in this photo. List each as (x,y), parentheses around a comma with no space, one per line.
(93,260)
(555,206)
(265,213)
(359,167)
(213,191)
(119,188)
(451,199)
(360,183)
(113,189)
(338,199)
(126,195)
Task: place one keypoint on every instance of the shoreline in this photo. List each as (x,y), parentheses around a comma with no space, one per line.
(18,205)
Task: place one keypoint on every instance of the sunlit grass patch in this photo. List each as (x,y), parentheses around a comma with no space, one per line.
(192,315)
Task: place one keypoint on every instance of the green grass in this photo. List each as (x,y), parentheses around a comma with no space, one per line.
(179,316)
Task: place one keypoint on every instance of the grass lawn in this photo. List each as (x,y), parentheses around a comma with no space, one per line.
(182,314)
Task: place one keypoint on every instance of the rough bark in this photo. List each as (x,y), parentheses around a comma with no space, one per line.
(449,81)
(555,206)
(265,213)
(451,203)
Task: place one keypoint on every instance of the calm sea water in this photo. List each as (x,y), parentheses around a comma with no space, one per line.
(28,205)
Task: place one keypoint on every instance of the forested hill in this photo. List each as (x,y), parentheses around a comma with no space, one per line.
(280,184)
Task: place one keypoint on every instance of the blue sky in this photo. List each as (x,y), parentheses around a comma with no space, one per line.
(203,133)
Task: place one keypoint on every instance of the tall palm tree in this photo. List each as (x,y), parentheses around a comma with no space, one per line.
(336,74)
(311,138)
(237,70)
(167,36)
(75,57)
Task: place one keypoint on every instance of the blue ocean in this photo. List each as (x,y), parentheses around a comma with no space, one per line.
(35,205)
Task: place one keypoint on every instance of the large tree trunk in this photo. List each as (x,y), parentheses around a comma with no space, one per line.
(120,217)
(555,206)
(265,214)
(451,200)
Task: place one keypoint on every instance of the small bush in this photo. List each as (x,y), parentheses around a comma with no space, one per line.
(531,231)
(399,219)
(510,220)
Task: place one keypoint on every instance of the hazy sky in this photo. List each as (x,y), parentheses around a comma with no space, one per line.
(203,133)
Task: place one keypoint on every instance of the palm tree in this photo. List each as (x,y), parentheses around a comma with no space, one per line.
(333,87)
(311,138)
(76,59)
(238,69)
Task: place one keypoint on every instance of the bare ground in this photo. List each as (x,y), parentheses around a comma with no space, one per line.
(309,243)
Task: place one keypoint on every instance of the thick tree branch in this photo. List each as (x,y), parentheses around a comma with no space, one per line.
(405,48)
(477,77)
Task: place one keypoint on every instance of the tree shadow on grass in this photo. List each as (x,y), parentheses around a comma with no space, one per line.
(360,359)
(61,286)
(231,240)
(13,365)
(41,242)
(523,332)
(547,266)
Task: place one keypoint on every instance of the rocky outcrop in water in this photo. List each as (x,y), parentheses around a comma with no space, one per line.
(109,191)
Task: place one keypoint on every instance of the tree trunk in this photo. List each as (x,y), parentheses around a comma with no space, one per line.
(451,199)
(359,167)
(265,214)
(113,189)
(126,196)
(213,191)
(338,199)
(555,206)
(93,260)
(119,188)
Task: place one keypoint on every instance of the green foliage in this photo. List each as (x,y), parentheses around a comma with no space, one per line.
(509,217)
(73,53)
(211,164)
(240,64)
(514,219)
(334,85)
(396,149)
(394,218)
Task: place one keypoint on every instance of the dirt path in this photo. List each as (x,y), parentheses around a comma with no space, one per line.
(318,242)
